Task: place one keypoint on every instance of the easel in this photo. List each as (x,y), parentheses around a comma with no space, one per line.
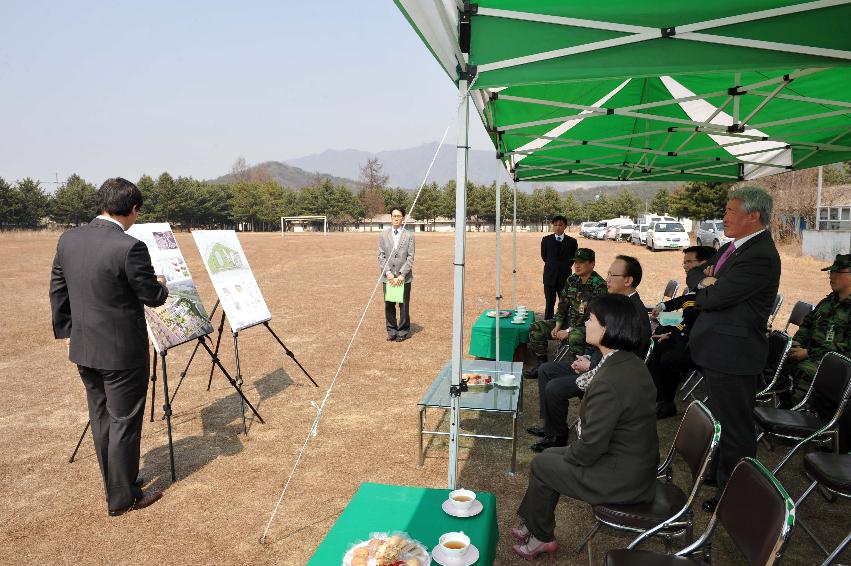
(167,400)
(238,381)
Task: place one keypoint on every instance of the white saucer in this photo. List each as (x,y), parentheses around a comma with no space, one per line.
(474,509)
(467,559)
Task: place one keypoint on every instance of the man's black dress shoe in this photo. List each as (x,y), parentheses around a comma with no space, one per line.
(710,504)
(549,442)
(140,481)
(401,338)
(147,499)
(531,373)
(391,338)
(537,431)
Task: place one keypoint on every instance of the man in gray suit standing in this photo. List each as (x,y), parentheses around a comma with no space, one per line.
(101,279)
(396,260)
(735,294)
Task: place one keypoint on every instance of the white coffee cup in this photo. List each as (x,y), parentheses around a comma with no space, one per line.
(518,319)
(507,380)
(455,543)
(462,499)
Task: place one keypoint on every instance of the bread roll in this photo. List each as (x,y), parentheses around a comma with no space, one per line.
(359,561)
(361,552)
(413,562)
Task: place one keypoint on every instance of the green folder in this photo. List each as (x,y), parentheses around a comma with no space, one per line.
(394,293)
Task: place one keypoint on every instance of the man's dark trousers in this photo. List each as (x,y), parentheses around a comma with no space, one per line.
(403,327)
(556,386)
(731,400)
(551,296)
(116,401)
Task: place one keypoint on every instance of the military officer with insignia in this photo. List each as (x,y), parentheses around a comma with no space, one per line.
(569,323)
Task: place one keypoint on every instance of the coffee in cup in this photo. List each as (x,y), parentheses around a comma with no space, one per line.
(462,499)
(455,543)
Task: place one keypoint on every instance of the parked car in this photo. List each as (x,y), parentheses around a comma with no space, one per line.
(624,232)
(597,232)
(667,236)
(711,233)
(585,227)
(639,234)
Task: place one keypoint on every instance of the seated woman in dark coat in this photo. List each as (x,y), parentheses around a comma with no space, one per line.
(615,455)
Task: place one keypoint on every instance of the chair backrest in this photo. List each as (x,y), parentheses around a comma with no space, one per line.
(833,380)
(778,300)
(799,312)
(756,512)
(779,344)
(697,438)
(670,289)
(649,350)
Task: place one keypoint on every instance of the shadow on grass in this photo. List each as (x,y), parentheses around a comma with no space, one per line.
(221,426)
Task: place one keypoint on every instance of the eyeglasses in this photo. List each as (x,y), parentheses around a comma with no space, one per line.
(615,275)
(397,216)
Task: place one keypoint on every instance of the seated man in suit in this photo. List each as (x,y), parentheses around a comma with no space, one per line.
(559,378)
(671,356)
(826,329)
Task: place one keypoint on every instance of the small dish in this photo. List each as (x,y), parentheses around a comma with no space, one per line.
(467,559)
(507,380)
(474,509)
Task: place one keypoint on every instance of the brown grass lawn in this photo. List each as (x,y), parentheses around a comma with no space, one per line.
(53,512)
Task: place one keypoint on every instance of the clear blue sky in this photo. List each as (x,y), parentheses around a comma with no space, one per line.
(125,88)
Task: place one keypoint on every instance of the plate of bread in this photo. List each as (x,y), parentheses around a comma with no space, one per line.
(388,550)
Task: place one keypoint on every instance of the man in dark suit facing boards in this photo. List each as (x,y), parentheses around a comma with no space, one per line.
(101,279)
(557,251)
(735,294)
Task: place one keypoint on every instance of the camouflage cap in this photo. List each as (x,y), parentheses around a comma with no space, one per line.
(584,254)
(842,261)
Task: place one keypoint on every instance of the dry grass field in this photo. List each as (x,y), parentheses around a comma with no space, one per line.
(53,512)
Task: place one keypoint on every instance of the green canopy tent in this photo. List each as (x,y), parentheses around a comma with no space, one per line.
(659,90)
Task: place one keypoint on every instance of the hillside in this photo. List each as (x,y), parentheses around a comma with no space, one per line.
(286,176)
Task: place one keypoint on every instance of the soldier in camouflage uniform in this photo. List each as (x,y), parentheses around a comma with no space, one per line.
(569,323)
(826,329)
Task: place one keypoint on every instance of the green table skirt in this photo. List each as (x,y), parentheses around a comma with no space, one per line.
(483,336)
(378,507)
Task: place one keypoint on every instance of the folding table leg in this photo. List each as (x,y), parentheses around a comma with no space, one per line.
(422,426)
(513,470)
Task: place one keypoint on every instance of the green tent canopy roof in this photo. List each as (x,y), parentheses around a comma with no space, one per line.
(657,90)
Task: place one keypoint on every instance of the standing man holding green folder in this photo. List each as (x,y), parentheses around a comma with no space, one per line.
(396,259)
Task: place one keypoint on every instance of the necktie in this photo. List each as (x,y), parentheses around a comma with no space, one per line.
(395,232)
(558,238)
(721,260)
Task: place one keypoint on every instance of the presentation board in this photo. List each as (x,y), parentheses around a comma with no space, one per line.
(232,278)
(182,318)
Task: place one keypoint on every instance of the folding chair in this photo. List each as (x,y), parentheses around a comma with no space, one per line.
(778,300)
(799,313)
(832,381)
(755,511)
(669,514)
(669,293)
(779,344)
(829,472)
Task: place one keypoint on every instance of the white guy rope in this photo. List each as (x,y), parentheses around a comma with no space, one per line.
(320,409)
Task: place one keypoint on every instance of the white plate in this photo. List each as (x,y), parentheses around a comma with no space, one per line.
(467,559)
(474,509)
(502,314)
(420,552)
(509,381)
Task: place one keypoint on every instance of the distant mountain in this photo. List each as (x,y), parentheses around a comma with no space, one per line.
(406,167)
(286,175)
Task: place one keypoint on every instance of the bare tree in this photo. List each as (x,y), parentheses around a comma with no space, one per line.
(374,180)
(239,169)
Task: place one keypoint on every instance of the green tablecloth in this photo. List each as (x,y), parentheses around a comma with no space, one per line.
(378,507)
(483,336)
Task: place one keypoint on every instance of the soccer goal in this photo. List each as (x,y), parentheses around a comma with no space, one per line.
(299,222)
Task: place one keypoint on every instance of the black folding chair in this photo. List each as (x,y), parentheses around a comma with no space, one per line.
(755,511)
(779,344)
(778,300)
(799,313)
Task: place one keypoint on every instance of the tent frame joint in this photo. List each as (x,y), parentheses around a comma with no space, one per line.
(456,390)
(669,32)
(466,75)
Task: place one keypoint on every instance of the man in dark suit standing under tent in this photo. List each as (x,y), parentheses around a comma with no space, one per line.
(557,251)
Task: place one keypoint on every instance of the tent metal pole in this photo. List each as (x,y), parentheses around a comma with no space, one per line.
(498,230)
(458,291)
(818,196)
(514,250)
